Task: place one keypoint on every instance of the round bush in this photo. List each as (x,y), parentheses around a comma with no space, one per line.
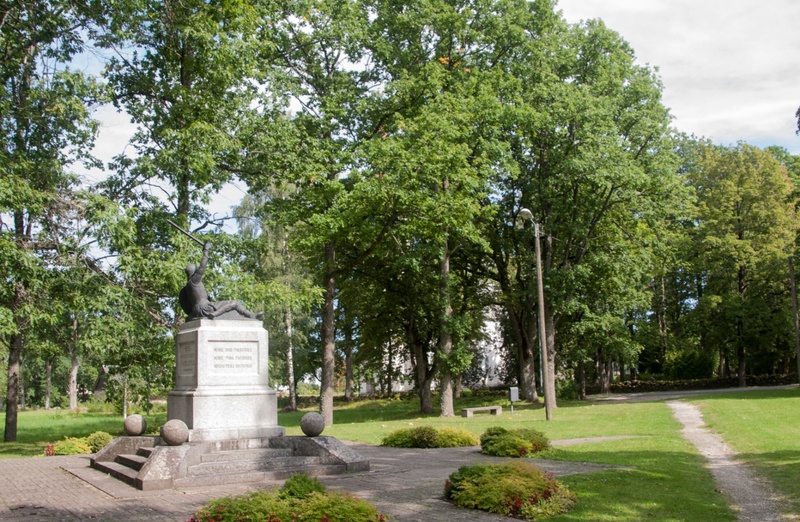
(271,506)
(522,442)
(429,437)
(515,489)
(456,438)
(98,440)
(72,446)
(301,486)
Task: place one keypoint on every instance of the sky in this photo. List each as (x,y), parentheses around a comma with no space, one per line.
(726,65)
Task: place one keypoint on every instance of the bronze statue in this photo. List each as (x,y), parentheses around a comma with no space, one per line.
(194,297)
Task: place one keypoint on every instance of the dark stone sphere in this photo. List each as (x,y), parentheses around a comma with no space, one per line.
(312,424)
(175,432)
(135,425)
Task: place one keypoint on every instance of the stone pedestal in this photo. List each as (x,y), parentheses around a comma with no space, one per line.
(222,390)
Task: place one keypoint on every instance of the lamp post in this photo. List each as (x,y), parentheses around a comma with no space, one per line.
(544,365)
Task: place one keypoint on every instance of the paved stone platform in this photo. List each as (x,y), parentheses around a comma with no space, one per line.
(405,483)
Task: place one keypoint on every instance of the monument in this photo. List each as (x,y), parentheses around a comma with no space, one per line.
(222,415)
(222,387)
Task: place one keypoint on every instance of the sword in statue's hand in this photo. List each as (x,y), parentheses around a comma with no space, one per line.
(189,235)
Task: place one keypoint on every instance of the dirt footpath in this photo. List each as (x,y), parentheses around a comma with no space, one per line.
(750,495)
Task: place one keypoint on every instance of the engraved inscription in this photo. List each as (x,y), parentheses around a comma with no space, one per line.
(239,357)
(187,359)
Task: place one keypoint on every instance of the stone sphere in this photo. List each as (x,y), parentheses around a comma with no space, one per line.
(135,425)
(312,424)
(175,432)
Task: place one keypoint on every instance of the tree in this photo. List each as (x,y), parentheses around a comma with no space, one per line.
(183,71)
(311,50)
(46,126)
(590,140)
(440,148)
(746,229)
(289,285)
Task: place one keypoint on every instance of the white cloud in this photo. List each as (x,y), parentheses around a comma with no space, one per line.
(727,67)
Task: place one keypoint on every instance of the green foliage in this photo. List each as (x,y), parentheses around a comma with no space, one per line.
(300,486)
(72,446)
(690,365)
(272,506)
(520,442)
(516,489)
(98,440)
(456,438)
(417,437)
(429,437)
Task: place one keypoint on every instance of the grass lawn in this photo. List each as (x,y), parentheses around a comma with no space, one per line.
(662,477)
(764,428)
(35,428)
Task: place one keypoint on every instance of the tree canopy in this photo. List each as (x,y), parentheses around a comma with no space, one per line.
(388,148)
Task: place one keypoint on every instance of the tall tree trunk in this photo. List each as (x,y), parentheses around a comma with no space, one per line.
(795,315)
(389,373)
(14,356)
(328,335)
(289,325)
(525,337)
(740,352)
(740,344)
(12,390)
(287,321)
(423,375)
(446,338)
(73,383)
(48,370)
(22,384)
(662,316)
(349,373)
(582,380)
(550,374)
(347,326)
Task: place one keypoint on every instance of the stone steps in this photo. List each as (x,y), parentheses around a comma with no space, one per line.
(218,479)
(246,454)
(147,464)
(233,464)
(119,471)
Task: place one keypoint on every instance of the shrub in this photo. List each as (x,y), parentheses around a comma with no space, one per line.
(72,446)
(429,437)
(515,489)
(456,438)
(272,506)
(98,440)
(424,437)
(301,486)
(521,442)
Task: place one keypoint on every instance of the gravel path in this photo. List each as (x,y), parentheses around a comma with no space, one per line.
(750,496)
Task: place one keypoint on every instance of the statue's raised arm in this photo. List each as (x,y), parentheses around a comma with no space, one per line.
(194,299)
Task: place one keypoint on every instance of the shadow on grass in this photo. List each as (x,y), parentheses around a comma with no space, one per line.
(385,410)
(38,427)
(746,394)
(657,485)
(781,468)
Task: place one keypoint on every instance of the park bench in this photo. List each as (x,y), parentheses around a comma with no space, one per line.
(493,410)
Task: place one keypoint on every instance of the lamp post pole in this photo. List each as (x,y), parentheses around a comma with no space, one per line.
(544,357)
